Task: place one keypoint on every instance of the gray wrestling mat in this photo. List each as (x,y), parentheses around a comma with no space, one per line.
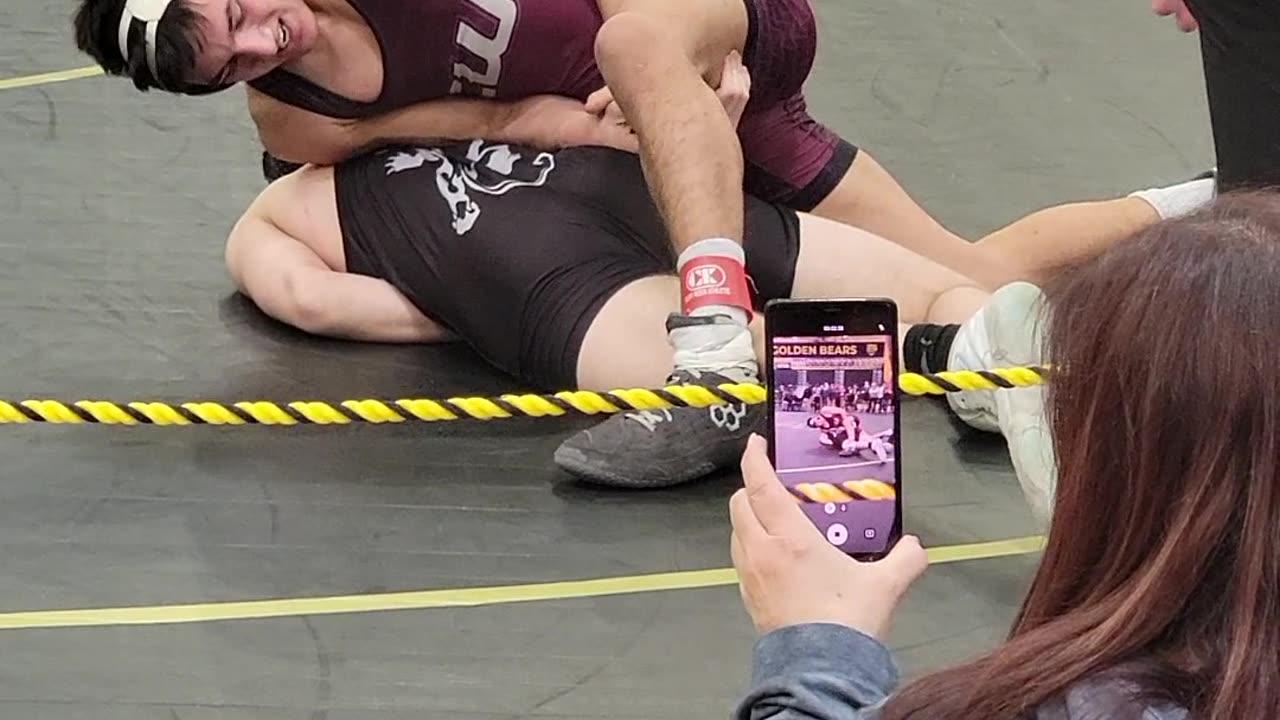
(115,207)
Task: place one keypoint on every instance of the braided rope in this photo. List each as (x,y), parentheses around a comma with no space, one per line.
(374,411)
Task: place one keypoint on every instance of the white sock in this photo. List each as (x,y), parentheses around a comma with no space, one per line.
(715,246)
(722,348)
(1182,199)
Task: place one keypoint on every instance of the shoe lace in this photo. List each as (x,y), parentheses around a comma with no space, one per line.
(687,376)
(651,419)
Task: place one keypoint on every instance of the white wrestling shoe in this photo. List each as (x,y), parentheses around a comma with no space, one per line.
(1006,333)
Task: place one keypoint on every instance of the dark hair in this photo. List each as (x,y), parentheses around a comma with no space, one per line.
(1162,565)
(178,40)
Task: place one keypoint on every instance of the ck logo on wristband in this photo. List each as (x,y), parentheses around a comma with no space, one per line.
(704,277)
(715,280)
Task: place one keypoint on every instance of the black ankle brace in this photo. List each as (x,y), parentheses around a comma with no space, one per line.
(926,347)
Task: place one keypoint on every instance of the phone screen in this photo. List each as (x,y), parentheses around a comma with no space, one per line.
(834,417)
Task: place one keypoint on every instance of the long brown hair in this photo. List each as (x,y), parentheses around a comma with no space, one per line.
(1162,564)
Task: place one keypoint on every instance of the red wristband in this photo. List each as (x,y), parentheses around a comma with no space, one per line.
(714,280)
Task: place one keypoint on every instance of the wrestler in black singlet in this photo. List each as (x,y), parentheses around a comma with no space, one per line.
(516,250)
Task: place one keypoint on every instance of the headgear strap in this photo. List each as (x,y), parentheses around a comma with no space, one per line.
(149,12)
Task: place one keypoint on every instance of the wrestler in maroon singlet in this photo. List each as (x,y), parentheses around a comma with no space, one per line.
(510,49)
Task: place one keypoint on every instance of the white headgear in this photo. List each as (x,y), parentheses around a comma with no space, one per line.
(149,12)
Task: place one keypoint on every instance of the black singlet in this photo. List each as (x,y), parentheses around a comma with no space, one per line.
(516,249)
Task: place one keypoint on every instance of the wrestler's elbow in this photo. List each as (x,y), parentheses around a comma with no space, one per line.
(290,296)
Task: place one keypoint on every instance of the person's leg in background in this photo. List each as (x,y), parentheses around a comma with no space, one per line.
(1049,240)
(793,160)
(1240,50)
(838,260)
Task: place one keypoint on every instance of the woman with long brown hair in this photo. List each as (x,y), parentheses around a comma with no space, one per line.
(1158,595)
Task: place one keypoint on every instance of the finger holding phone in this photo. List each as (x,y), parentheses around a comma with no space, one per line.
(789,574)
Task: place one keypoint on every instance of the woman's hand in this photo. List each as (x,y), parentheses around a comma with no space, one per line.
(789,574)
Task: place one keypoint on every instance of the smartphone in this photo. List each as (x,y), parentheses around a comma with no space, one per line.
(834,417)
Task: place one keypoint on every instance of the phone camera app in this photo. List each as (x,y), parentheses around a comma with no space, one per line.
(837,534)
(833,430)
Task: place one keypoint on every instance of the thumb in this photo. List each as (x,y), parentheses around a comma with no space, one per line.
(599,100)
(770,501)
(905,563)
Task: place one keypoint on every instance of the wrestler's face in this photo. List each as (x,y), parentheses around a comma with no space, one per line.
(245,39)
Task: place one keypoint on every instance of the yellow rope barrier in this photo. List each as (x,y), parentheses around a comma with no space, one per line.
(458,408)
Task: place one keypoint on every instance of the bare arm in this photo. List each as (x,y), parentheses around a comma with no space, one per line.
(290,282)
(546,121)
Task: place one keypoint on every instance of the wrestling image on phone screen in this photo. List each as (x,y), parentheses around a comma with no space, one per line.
(834,434)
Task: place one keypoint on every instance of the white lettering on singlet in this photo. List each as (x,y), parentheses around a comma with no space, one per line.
(488,49)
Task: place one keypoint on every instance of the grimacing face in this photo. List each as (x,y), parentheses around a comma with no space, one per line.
(241,40)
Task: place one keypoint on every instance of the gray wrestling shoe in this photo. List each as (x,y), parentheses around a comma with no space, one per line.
(662,448)
(1006,333)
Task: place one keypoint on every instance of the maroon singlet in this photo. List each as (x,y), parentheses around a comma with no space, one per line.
(505,49)
(512,49)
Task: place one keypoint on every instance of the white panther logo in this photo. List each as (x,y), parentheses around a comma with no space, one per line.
(488,169)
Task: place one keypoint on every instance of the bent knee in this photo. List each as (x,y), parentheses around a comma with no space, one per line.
(629,35)
(705,33)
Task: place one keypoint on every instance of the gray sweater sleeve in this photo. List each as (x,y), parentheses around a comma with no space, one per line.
(832,672)
(818,672)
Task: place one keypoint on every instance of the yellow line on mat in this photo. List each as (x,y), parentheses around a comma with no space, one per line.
(424,599)
(49,78)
